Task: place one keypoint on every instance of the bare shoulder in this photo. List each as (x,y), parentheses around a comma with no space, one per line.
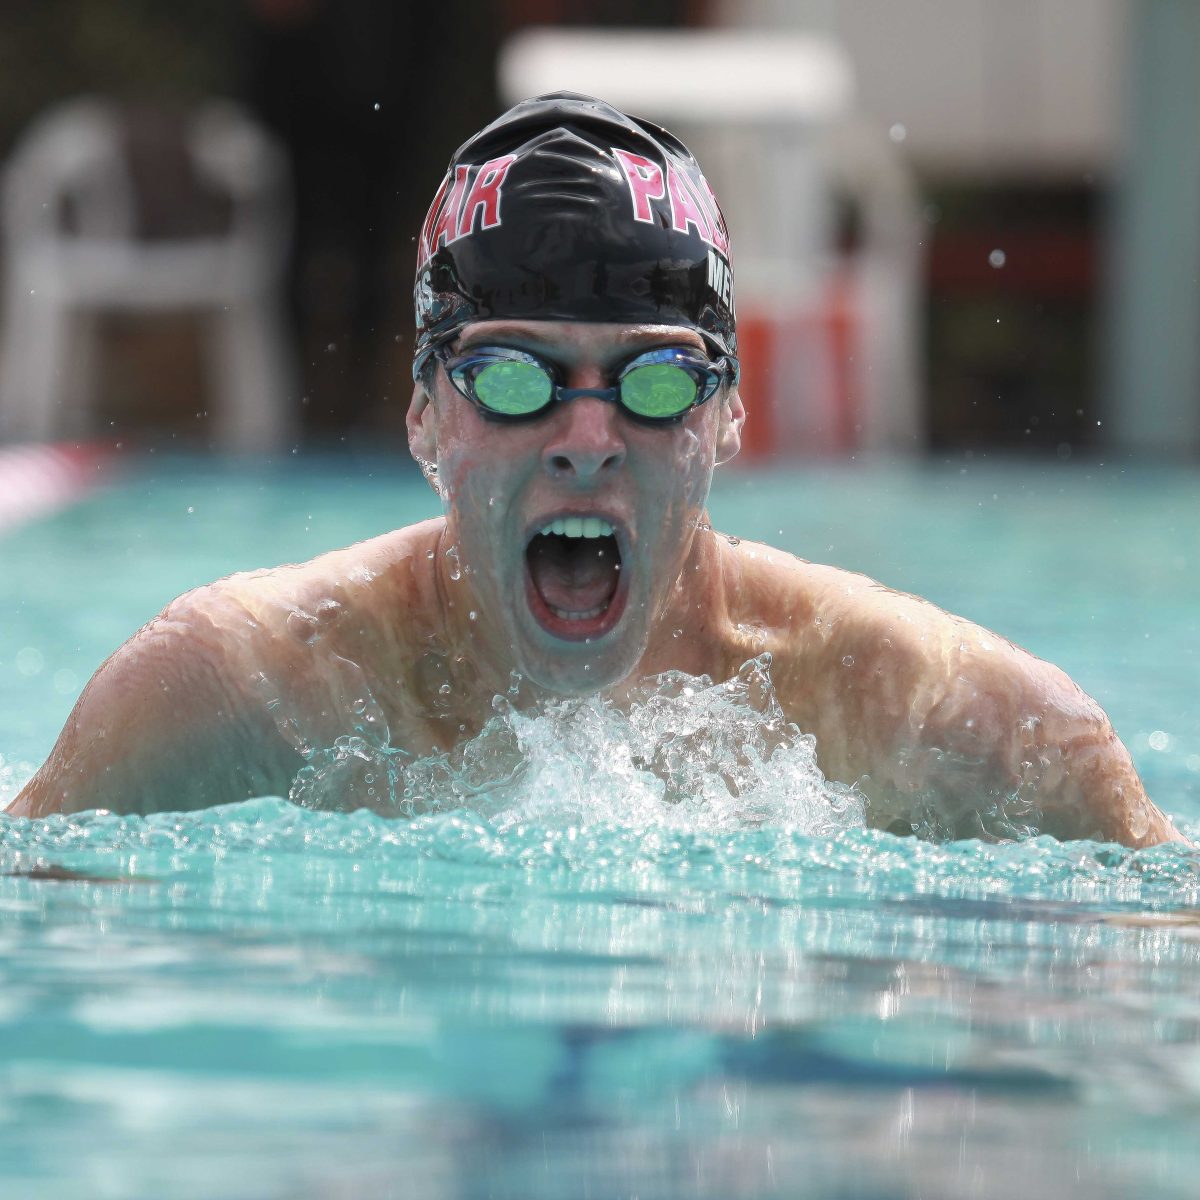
(352,575)
(153,727)
(183,715)
(915,702)
(827,623)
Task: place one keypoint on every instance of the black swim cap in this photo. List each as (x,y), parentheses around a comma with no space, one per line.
(565,209)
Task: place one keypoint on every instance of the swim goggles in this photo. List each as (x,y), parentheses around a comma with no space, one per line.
(657,388)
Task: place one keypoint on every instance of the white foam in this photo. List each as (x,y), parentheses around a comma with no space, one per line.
(684,752)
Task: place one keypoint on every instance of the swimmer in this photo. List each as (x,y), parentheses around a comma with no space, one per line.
(576,383)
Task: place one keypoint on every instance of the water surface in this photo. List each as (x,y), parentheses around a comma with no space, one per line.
(581,990)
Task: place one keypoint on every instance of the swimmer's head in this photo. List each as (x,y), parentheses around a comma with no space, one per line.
(577,383)
(565,209)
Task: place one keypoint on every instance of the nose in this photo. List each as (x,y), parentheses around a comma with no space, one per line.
(586,444)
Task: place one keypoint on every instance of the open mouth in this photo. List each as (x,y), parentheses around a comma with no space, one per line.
(573,577)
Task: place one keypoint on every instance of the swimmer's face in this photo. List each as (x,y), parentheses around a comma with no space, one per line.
(574,609)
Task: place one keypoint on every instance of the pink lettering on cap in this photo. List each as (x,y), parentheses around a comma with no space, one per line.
(685,210)
(447,222)
(645,179)
(485,195)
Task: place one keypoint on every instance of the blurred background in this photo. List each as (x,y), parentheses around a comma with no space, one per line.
(958,225)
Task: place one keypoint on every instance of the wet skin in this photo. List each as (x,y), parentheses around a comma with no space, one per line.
(217,699)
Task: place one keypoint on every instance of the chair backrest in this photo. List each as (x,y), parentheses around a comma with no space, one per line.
(70,176)
(67,174)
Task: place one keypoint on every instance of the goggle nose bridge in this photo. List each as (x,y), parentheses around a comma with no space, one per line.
(611,394)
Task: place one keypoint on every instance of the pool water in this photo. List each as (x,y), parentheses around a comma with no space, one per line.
(571,987)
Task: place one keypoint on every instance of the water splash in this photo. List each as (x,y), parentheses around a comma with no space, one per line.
(13,777)
(682,751)
(430,471)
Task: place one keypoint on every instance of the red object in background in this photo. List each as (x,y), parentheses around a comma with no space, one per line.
(1046,263)
(756,338)
(798,377)
(37,479)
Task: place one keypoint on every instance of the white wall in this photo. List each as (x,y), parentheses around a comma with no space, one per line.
(980,86)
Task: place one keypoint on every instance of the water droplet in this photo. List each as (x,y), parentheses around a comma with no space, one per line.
(455,563)
(328,611)
(444,690)
(677,633)
(302,626)
(1160,740)
(733,541)
(191,509)
(376,105)
(848,660)
(997,258)
(429,554)
(430,471)
(898,133)
(473,615)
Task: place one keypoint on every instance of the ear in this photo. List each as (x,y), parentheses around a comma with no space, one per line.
(729,432)
(422,427)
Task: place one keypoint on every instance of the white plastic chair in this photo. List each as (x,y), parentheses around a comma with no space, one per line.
(58,279)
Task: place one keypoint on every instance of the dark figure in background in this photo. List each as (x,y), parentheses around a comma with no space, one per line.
(358,95)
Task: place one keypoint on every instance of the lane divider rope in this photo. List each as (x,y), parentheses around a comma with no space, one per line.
(39,479)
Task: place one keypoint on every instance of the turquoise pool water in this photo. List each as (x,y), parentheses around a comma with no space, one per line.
(604,999)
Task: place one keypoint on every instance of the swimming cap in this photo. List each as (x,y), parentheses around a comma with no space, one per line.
(565,209)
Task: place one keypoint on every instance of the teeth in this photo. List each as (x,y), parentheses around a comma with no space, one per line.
(585,527)
(563,615)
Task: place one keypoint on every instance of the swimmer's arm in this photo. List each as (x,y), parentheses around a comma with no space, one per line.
(160,727)
(920,705)
(996,723)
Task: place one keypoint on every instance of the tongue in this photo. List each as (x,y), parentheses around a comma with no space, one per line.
(574,574)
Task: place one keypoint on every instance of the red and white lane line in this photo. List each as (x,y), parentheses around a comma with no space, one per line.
(36,480)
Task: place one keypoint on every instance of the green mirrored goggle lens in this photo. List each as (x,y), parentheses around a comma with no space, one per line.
(658,390)
(513,388)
